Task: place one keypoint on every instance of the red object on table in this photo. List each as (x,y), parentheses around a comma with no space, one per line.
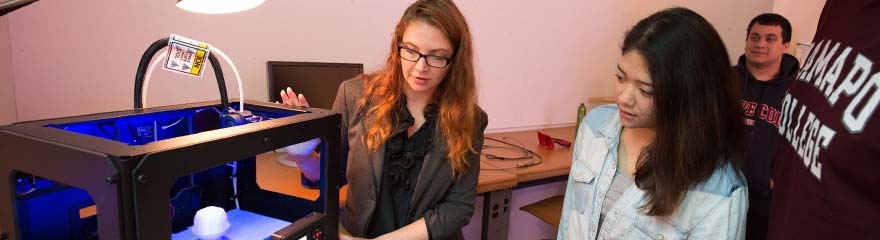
(546,141)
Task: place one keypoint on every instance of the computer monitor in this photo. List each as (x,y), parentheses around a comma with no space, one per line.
(317,81)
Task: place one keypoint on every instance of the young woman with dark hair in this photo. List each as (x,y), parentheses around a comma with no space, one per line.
(412,132)
(663,162)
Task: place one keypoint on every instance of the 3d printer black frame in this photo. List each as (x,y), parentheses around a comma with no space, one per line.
(129,184)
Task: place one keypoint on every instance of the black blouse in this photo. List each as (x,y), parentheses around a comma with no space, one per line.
(403,161)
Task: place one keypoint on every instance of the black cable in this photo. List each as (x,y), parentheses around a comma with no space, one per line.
(145,63)
(142,69)
(527,154)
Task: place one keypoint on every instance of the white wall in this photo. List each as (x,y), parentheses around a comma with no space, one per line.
(80,57)
(7,88)
(535,60)
(729,17)
(803,15)
(538,60)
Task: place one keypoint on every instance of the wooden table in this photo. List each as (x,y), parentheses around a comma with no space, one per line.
(496,203)
(495,180)
(548,210)
(282,179)
(495,185)
(275,177)
(557,162)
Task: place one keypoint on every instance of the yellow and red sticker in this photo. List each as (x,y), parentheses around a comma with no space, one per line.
(186,56)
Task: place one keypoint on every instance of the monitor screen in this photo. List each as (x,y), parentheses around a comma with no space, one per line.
(317,81)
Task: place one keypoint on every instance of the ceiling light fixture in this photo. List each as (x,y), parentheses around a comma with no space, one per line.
(217,6)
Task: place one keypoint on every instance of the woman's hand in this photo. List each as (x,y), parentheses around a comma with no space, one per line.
(344,235)
(347,237)
(290,98)
(306,159)
(304,148)
(303,153)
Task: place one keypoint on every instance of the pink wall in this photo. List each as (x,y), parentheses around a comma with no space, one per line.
(7,88)
(80,57)
(535,61)
(803,15)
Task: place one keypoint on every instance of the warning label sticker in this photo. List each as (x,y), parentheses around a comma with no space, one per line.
(186,56)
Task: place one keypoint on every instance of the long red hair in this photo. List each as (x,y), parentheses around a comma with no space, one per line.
(455,96)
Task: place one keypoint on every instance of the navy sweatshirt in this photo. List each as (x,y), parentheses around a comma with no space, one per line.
(761,105)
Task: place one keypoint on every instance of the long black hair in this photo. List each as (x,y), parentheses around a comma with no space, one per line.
(698,120)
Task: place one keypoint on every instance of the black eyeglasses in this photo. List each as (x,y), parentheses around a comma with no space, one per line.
(414,56)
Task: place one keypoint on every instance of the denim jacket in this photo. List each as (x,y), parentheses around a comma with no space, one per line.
(714,209)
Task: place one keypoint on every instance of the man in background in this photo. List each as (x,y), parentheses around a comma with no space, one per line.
(766,72)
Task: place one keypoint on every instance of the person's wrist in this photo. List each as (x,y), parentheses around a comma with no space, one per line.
(304,148)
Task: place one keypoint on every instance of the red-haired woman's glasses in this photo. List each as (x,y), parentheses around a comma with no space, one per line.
(414,56)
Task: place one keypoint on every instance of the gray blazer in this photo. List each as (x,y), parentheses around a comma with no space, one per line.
(445,204)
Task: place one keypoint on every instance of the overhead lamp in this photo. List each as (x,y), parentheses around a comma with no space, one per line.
(218,6)
(7,6)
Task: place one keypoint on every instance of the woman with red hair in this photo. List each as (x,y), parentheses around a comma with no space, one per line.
(412,132)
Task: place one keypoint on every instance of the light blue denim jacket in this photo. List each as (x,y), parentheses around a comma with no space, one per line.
(714,209)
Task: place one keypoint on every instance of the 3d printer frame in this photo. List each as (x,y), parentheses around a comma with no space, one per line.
(130,183)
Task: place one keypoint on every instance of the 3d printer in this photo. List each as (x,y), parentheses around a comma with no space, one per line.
(145,172)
